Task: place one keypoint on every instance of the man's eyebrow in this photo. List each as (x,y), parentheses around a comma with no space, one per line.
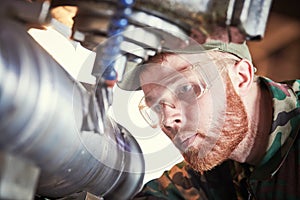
(184,67)
(174,74)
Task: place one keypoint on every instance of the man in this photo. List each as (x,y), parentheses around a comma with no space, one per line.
(237,132)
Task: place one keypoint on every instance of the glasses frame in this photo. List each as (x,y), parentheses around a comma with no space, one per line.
(147,119)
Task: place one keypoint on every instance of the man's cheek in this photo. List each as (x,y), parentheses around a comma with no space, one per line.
(204,111)
(194,116)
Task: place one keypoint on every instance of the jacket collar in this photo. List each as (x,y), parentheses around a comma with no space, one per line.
(285,126)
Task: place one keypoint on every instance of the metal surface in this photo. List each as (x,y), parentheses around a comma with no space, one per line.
(41,114)
(15,183)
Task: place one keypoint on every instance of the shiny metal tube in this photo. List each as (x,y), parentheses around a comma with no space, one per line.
(41,115)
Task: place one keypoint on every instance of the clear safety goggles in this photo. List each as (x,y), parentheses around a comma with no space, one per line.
(184,87)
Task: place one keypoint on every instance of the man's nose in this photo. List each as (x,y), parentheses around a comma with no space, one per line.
(171,117)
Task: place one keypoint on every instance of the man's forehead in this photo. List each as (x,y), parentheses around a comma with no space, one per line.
(160,75)
(172,64)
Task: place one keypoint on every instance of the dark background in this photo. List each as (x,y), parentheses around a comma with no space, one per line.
(277,55)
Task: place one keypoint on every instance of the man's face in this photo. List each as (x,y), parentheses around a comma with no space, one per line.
(206,126)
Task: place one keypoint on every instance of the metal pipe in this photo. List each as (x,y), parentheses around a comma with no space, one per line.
(42,110)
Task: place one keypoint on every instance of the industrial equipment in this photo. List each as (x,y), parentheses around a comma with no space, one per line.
(57,141)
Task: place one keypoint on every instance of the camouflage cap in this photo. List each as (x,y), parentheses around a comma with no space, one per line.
(131,80)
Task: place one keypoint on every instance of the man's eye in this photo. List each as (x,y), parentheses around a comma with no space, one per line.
(184,89)
(189,90)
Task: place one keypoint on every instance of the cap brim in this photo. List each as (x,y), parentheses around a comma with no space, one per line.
(131,80)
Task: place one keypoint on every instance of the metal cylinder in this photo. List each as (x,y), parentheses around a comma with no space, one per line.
(41,114)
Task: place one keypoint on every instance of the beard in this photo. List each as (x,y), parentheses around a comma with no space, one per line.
(231,133)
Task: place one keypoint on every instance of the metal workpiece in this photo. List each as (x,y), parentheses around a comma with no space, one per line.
(42,112)
(14,183)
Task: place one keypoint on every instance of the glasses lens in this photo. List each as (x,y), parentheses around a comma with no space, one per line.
(189,91)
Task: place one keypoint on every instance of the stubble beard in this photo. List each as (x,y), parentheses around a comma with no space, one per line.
(232,132)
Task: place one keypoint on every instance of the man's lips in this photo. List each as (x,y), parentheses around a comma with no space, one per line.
(185,140)
(188,142)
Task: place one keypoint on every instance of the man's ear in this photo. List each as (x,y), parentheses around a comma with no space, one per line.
(244,73)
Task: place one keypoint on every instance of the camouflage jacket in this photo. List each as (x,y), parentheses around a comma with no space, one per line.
(276,177)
